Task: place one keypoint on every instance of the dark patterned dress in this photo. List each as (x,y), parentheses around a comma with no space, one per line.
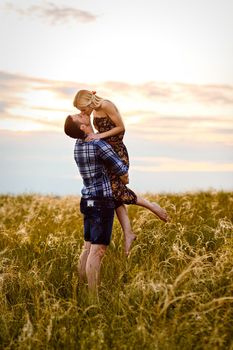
(121,193)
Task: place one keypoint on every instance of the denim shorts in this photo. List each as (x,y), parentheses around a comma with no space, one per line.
(98,219)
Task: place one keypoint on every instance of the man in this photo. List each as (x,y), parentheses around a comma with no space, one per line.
(97,205)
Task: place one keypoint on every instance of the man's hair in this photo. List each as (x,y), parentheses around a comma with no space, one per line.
(72,128)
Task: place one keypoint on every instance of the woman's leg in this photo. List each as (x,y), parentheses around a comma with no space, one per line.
(123,218)
(154,207)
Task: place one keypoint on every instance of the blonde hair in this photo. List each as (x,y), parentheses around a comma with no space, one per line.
(85,98)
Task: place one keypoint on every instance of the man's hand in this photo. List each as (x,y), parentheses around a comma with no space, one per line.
(75,115)
(125,178)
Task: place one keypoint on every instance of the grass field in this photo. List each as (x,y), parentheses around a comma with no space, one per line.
(174,291)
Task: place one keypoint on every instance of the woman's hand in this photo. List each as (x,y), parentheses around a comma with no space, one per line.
(92,136)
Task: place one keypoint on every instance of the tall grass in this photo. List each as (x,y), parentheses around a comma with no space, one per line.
(174,291)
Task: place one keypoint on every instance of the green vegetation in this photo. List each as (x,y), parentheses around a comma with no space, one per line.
(174,291)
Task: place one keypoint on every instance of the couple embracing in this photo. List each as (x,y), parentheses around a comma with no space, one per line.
(103,163)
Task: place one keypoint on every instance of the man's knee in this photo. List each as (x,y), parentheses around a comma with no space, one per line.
(97,250)
(86,247)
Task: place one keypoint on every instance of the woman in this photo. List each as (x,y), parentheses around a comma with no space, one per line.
(108,121)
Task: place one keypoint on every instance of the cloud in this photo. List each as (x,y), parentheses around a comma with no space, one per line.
(153,91)
(29,103)
(148,125)
(181,134)
(153,122)
(2,106)
(175,92)
(53,13)
(45,103)
(13,84)
(52,124)
(164,164)
(220,94)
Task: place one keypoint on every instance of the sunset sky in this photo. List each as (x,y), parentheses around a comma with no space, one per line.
(166,64)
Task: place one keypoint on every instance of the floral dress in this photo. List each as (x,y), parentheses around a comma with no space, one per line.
(121,193)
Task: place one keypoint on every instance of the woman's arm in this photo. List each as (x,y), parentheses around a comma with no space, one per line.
(115,116)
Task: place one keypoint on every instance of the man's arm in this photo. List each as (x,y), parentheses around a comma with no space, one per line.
(111,159)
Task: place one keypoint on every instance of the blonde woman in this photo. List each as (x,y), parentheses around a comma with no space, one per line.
(108,121)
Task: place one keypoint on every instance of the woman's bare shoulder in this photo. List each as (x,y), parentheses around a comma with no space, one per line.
(109,105)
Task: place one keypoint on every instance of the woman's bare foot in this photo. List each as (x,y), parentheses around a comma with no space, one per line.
(160,212)
(129,238)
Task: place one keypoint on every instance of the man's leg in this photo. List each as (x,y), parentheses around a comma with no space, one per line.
(82,261)
(93,267)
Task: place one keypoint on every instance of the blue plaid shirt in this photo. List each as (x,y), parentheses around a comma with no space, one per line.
(92,159)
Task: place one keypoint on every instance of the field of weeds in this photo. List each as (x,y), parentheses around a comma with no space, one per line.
(174,291)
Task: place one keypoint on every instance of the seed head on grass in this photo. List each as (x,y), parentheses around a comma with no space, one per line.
(174,291)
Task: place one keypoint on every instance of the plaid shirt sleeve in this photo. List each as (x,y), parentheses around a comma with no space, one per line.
(110,158)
